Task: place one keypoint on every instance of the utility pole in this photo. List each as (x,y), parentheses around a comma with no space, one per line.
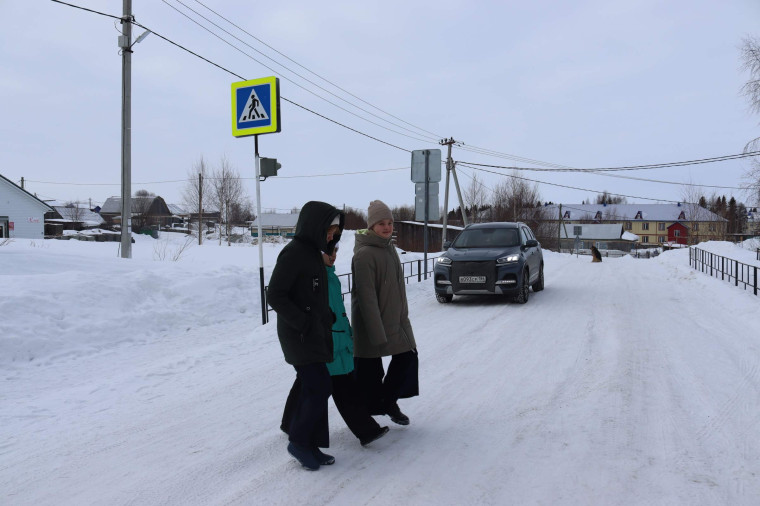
(200,208)
(450,169)
(22,182)
(125,43)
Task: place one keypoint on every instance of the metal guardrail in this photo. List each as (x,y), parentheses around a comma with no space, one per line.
(413,267)
(728,268)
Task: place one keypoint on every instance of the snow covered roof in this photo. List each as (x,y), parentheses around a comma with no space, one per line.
(112,205)
(636,212)
(594,231)
(177,210)
(17,189)
(276,220)
(79,215)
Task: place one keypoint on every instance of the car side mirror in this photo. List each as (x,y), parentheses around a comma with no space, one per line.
(531,243)
(446,244)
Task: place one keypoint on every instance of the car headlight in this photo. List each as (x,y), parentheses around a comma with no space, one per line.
(508,259)
(444,260)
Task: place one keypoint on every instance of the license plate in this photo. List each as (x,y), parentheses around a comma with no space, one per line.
(472,279)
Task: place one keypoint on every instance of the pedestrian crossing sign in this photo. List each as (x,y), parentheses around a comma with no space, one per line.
(256,107)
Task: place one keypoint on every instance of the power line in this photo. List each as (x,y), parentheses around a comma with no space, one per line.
(431,137)
(564,186)
(239,76)
(88,10)
(209,178)
(437,136)
(630,167)
(292,81)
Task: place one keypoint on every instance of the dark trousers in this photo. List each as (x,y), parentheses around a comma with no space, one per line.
(381,389)
(308,424)
(348,400)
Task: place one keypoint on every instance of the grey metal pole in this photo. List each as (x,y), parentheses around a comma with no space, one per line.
(264,315)
(459,193)
(427,209)
(446,193)
(126,130)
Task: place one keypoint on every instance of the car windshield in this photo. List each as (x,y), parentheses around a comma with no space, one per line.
(487,238)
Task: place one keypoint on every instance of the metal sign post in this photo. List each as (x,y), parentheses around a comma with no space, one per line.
(256,111)
(426,174)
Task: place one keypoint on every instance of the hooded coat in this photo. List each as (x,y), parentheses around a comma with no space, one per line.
(298,289)
(379,308)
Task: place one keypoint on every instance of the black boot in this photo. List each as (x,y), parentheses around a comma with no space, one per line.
(303,455)
(323,458)
(396,415)
(373,437)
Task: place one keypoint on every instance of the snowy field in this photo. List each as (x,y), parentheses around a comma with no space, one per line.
(152,382)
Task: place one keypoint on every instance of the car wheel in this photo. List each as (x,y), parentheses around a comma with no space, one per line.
(522,297)
(443,299)
(539,284)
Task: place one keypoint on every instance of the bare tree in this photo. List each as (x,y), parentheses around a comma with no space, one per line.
(514,199)
(141,203)
(227,191)
(74,212)
(750,57)
(475,198)
(196,190)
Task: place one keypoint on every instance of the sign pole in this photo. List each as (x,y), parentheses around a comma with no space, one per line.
(264,316)
(427,208)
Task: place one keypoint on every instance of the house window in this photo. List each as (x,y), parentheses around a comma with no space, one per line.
(682,216)
(696,226)
(645,238)
(660,238)
(660,226)
(677,233)
(711,227)
(598,215)
(645,226)
(566,215)
(577,230)
(628,225)
(638,216)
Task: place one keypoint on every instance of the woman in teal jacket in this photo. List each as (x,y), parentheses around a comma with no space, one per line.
(346,392)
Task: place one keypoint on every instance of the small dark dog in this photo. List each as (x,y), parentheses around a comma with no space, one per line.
(597,257)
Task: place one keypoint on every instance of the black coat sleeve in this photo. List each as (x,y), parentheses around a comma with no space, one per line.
(282,284)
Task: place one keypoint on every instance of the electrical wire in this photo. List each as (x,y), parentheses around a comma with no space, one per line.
(630,167)
(437,136)
(239,76)
(434,139)
(564,186)
(210,178)
(292,81)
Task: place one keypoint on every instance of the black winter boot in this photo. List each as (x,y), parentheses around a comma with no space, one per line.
(374,437)
(396,415)
(323,458)
(303,455)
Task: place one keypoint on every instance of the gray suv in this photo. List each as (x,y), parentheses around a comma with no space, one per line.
(490,258)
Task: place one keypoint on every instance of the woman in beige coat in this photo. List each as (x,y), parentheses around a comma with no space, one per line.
(380,317)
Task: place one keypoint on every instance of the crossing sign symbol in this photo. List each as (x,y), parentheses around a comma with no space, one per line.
(256,107)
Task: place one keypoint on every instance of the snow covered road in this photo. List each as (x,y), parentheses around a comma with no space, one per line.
(627,382)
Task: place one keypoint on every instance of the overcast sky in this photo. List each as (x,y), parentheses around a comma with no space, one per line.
(585,84)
